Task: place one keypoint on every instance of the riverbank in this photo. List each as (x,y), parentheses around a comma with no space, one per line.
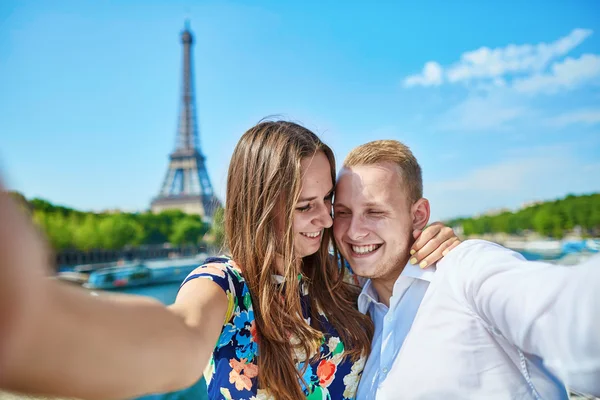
(570,250)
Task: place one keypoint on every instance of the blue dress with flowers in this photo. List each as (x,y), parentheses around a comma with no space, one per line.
(232,372)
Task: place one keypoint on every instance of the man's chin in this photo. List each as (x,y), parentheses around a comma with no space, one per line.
(364,273)
(361,267)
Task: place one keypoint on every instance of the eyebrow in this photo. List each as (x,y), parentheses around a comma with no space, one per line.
(373,204)
(369,204)
(303,199)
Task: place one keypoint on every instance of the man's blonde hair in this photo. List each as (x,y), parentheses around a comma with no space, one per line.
(380,151)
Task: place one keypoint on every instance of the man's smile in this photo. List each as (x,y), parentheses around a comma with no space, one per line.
(363,250)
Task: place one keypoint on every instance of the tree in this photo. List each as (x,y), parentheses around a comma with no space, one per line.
(86,235)
(187,231)
(543,222)
(553,218)
(154,231)
(119,230)
(56,227)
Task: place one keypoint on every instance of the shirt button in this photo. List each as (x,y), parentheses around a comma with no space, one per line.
(384,370)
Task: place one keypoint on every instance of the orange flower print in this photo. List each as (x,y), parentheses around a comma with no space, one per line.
(251,370)
(242,382)
(238,366)
(326,372)
(241,373)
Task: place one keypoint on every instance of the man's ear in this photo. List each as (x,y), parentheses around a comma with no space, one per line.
(420,213)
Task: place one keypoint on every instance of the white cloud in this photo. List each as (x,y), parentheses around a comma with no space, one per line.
(584,117)
(431,76)
(492,63)
(495,64)
(568,74)
(499,78)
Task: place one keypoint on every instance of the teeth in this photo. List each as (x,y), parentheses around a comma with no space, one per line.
(365,249)
(312,234)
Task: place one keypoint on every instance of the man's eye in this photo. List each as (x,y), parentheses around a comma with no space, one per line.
(341,213)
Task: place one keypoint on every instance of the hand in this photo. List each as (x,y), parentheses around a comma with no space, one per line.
(432,244)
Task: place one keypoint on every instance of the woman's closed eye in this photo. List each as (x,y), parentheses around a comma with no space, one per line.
(326,200)
(304,208)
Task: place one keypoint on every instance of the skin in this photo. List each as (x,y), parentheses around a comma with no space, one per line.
(118,346)
(375,221)
(313,210)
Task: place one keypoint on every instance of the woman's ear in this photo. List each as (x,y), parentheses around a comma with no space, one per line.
(420,213)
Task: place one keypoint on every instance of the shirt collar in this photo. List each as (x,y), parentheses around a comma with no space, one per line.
(368,295)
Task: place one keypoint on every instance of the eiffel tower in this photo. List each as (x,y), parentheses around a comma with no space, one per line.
(186,186)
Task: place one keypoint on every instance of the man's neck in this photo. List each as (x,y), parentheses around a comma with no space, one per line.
(384,286)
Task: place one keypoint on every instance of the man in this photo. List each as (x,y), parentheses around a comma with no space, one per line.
(484,324)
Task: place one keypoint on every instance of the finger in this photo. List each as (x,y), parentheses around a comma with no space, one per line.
(417,233)
(438,253)
(426,235)
(443,234)
(432,244)
(453,245)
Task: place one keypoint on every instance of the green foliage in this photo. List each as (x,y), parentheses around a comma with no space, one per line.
(217,230)
(86,235)
(552,218)
(119,229)
(67,228)
(188,230)
(56,227)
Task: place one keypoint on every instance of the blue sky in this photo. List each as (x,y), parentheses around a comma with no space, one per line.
(499,102)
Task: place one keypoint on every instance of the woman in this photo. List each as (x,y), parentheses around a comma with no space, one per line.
(281,315)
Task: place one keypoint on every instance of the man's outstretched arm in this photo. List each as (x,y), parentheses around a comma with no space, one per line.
(544,309)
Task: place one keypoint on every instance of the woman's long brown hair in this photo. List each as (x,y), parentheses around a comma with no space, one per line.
(265,180)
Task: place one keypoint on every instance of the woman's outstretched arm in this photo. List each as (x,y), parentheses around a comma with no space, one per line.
(58,340)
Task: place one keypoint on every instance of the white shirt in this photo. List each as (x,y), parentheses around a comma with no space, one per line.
(391,324)
(484,325)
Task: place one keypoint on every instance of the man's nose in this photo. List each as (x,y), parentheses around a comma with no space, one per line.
(356,228)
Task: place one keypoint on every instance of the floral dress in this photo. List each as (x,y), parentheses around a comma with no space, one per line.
(233,368)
